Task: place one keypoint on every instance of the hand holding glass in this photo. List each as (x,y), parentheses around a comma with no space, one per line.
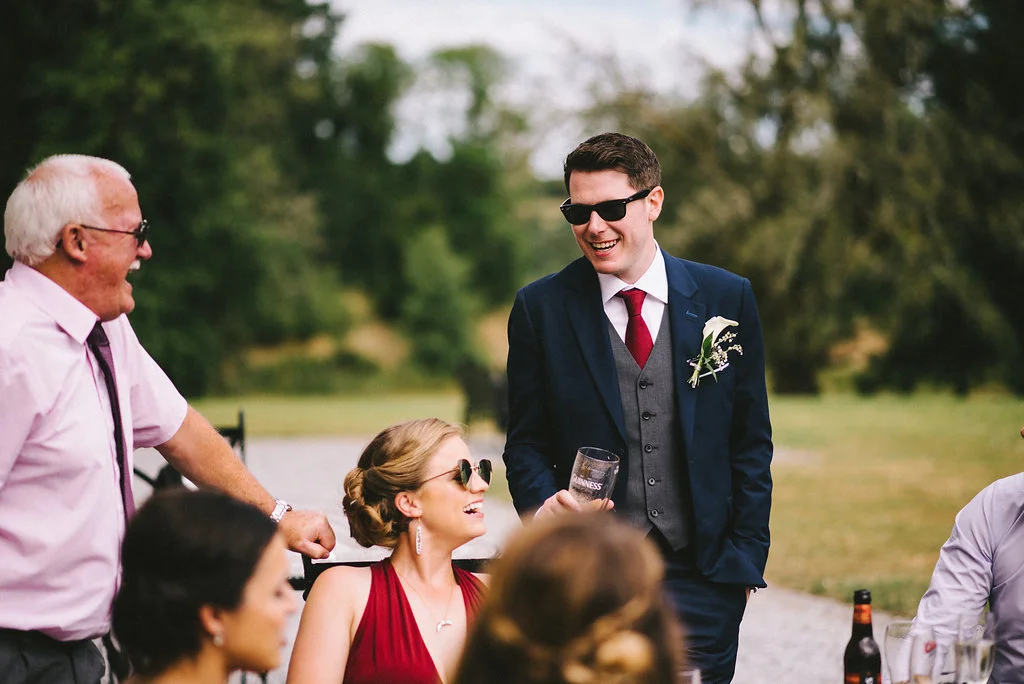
(593,475)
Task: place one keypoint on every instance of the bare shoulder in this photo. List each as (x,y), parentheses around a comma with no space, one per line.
(341,580)
(330,618)
(338,599)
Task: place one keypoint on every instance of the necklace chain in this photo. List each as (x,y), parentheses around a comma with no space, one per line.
(444,621)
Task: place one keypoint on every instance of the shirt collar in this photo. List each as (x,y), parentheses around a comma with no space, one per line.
(74,317)
(654,281)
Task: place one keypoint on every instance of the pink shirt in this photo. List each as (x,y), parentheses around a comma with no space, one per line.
(61,518)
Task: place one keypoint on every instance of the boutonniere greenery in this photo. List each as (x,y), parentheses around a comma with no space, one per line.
(714,350)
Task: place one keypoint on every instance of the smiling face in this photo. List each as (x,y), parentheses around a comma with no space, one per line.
(623,248)
(254,633)
(449,509)
(112,256)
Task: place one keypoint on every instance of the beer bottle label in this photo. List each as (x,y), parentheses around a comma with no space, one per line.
(853,678)
(862,614)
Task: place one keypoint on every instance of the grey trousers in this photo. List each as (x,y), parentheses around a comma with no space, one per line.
(34,658)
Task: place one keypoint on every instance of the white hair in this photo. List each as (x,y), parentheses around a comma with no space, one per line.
(60,190)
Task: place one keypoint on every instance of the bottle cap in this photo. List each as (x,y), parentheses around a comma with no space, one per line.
(862,596)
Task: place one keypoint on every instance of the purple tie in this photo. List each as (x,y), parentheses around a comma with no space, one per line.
(100,346)
(638,336)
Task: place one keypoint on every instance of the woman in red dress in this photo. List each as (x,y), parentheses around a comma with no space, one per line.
(405,618)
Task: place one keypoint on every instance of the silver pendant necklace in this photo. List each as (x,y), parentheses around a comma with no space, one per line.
(444,621)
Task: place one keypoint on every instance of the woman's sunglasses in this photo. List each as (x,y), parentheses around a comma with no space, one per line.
(464,471)
(612,210)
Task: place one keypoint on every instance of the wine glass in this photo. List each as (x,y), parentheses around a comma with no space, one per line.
(897,650)
(975,648)
(593,474)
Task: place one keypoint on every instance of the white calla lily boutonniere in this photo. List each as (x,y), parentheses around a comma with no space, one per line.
(714,350)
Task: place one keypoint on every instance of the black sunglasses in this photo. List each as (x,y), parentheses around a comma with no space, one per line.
(464,471)
(140,233)
(612,210)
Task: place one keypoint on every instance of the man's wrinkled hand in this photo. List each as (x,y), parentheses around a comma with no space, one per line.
(563,502)
(307,532)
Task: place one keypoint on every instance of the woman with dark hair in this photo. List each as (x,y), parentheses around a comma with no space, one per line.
(204,589)
(403,619)
(576,599)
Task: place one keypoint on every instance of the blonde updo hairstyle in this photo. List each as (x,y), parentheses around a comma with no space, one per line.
(576,599)
(394,461)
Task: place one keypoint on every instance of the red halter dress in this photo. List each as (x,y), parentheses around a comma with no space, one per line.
(388,646)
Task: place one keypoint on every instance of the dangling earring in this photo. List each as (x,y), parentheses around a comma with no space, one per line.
(218,639)
(419,538)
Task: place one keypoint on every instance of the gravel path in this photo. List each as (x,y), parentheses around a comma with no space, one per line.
(786,636)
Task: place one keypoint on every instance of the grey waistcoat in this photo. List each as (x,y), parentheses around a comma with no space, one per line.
(656,493)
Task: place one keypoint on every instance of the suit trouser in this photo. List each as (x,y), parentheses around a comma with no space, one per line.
(34,658)
(710,612)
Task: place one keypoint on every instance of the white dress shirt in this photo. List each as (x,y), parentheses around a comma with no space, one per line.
(654,282)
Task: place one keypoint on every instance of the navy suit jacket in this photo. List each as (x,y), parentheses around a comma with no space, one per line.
(564,394)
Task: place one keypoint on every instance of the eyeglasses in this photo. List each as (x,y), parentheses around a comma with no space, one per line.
(464,471)
(612,210)
(140,233)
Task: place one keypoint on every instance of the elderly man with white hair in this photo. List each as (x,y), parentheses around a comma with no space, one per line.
(78,394)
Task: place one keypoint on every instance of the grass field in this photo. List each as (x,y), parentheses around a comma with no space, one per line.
(865,489)
(363,414)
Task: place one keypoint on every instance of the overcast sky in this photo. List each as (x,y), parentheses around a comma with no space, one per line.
(661,41)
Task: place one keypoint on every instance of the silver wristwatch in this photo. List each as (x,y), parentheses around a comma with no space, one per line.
(280,508)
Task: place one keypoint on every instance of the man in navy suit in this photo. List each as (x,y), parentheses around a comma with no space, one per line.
(603,354)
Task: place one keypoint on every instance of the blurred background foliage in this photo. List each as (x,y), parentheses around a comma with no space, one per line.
(863,169)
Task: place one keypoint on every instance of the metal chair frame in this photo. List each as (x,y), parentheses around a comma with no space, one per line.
(311,570)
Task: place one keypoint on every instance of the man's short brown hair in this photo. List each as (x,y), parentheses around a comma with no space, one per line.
(619,152)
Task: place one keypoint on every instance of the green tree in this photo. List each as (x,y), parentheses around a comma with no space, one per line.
(374,206)
(195,100)
(440,306)
(358,188)
(866,171)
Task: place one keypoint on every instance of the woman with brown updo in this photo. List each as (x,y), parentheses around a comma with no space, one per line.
(576,599)
(405,618)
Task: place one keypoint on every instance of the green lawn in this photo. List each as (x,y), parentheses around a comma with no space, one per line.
(865,489)
(330,415)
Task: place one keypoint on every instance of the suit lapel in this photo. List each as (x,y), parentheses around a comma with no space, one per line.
(590,325)
(687,317)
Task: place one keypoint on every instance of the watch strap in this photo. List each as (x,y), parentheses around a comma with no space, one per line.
(280,508)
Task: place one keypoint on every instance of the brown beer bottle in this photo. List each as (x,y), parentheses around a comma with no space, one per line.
(862,662)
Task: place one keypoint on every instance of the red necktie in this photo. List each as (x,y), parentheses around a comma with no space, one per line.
(100,347)
(638,337)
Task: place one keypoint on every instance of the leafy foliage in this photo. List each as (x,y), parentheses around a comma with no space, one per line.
(440,305)
(866,172)
(262,162)
(193,98)
(863,169)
